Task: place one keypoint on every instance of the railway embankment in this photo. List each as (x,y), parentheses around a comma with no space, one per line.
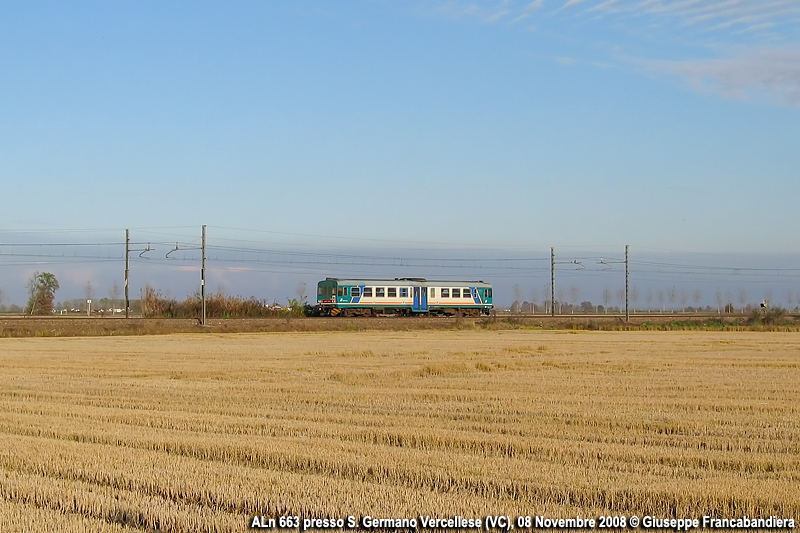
(117,326)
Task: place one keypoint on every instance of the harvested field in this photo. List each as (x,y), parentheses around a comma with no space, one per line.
(202,431)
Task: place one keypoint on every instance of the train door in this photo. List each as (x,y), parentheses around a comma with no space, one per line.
(476,295)
(420,304)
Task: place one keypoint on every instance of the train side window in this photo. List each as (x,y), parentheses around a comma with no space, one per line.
(445,293)
(367,292)
(346,290)
(391,292)
(488,293)
(433,292)
(403,292)
(380,292)
(356,292)
(456,293)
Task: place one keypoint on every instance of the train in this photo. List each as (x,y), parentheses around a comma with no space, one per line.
(402,297)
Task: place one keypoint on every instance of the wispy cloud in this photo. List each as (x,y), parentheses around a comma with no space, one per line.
(742,49)
(764,74)
(529,10)
(711,14)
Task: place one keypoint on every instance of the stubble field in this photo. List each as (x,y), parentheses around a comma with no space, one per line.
(200,432)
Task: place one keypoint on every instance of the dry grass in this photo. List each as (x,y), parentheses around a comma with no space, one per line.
(200,432)
(72,326)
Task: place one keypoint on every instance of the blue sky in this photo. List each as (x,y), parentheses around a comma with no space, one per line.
(671,125)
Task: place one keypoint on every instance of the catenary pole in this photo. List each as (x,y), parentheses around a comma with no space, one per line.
(203,277)
(127,272)
(552,282)
(627,285)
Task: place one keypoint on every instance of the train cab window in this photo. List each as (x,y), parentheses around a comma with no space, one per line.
(356,292)
(339,291)
(445,293)
(380,292)
(367,292)
(456,293)
(488,293)
(391,292)
(403,292)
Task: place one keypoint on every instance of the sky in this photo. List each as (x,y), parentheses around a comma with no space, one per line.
(367,125)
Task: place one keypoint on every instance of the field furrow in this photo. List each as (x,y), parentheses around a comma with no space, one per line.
(202,432)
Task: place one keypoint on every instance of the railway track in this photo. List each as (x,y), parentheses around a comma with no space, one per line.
(499,314)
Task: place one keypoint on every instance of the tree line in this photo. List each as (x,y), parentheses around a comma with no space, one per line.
(42,287)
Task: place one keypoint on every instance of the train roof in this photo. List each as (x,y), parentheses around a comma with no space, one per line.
(410,281)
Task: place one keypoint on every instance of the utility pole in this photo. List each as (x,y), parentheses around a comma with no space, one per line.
(128,251)
(127,272)
(627,280)
(202,318)
(627,285)
(552,282)
(203,277)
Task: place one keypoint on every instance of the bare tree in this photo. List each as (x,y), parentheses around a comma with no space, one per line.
(684,298)
(661,299)
(114,294)
(720,300)
(673,297)
(301,293)
(574,295)
(743,299)
(698,297)
(635,297)
(516,306)
(546,298)
(606,298)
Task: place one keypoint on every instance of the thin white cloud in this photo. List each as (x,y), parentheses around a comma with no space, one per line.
(742,49)
(528,11)
(714,15)
(766,74)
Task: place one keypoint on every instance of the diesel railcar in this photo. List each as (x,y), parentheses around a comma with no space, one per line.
(402,296)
